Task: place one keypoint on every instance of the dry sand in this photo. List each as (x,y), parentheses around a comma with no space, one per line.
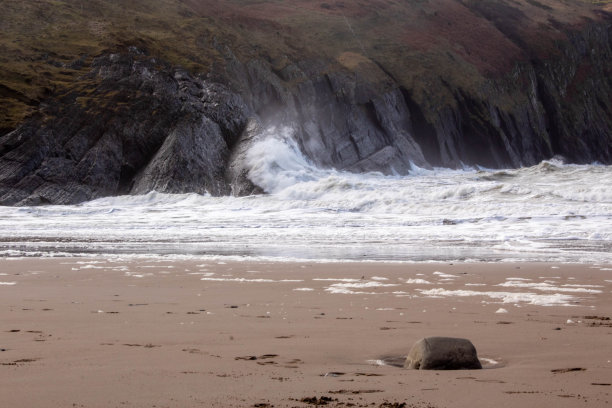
(152,333)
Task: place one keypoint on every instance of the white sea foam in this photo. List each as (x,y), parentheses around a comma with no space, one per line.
(489,361)
(557,299)
(548,212)
(445,275)
(347,291)
(91,267)
(370,284)
(156,266)
(547,287)
(348,288)
(418,282)
(245,280)
(137,275)
(8,283)
(336,280)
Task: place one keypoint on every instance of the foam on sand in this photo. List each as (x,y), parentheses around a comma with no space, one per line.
(360,285)
(445,275)
(488,361)
(547,287)
(377,362)
(348,288)
(245,280)
(418,282)
(557,299)
(336,280)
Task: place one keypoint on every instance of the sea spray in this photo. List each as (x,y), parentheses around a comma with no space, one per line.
(552,211)
(276,163)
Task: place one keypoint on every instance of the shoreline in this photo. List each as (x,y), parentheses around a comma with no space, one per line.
(237,257)
(167,332)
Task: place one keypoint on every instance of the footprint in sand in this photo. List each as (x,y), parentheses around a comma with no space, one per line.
(247,358)
(293,363)
(567,370)
(20,361)
(194,351)
(266,362)
(148,345)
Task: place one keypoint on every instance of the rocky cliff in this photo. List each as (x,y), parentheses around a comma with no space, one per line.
(382,86)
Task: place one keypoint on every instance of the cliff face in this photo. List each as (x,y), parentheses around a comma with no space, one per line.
(128,122)
(158,129)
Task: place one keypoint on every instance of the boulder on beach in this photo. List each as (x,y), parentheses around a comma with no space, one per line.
(442,353)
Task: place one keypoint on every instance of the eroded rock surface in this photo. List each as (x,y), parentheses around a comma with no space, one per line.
(158,129)
(443,353)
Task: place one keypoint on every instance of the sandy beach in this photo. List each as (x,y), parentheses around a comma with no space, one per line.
(78,332)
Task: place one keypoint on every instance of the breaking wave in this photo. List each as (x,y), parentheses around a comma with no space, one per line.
(551,211)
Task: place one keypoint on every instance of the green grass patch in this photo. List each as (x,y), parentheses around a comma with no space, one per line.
(417,42)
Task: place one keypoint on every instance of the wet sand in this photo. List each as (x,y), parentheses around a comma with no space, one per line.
(172,333)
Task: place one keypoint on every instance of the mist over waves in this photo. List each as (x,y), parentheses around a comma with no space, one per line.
(551,211)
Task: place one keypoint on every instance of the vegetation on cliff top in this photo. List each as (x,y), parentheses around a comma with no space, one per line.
(47,45)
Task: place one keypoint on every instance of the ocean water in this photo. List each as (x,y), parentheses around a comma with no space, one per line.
(548,212)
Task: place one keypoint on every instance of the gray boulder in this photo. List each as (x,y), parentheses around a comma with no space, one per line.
(443,353)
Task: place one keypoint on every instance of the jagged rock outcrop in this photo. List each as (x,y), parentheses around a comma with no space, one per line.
(540,109)
(341,119)
(159,129)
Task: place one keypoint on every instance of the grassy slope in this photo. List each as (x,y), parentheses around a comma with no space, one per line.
(418,42)
(40,37)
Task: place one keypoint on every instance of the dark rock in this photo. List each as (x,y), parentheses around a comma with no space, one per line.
(135,123)
(443,353)
(237,172)
(156,129)
(192,158)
